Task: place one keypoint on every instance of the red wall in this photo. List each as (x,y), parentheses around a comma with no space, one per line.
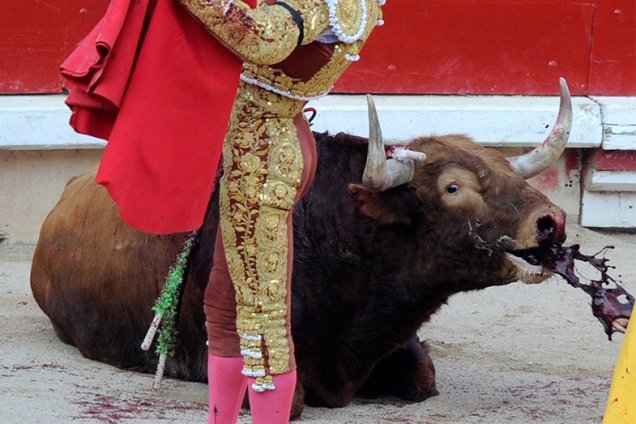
(613,56)
(36,36)
(426,46)
(500,47)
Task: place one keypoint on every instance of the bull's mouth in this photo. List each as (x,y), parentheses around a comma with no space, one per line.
(530,264)
(527,262)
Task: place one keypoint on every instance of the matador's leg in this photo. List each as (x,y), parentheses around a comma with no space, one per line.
(263,169)
(226,383)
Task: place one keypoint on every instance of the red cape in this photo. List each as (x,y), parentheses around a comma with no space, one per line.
(153,82)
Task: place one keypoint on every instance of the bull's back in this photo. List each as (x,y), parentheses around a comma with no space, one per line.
(95,277)
(59,236)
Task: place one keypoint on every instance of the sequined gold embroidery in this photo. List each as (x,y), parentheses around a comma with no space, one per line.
(264,35)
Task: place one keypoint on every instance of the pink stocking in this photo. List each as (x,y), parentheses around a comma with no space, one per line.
(273,406)
(227,388)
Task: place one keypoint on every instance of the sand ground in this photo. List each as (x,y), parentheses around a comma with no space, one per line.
(516,354)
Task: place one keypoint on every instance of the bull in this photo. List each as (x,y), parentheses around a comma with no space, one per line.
(380,245)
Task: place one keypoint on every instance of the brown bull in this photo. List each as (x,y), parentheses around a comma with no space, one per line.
(373,261)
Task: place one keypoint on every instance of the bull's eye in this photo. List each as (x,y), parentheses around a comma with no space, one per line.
(452,188)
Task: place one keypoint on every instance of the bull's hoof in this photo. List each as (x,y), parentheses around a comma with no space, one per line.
(298,403)
(422,385)
(422,388)
(408,374)
(296,411)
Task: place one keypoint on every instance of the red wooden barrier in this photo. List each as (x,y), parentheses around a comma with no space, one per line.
(613,57)
(477,47)
(36,36)
(426,46)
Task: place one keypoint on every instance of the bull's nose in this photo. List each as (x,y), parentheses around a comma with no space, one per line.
(551,228)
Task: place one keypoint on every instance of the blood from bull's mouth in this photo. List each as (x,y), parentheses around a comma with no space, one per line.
(611,303)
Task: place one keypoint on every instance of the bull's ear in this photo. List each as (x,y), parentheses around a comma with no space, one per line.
(378,205)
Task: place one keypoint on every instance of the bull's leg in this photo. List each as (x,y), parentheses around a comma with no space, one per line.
(407,373)
(330,377)
(298,403)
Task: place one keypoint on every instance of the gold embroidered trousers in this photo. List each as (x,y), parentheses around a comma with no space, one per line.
(269,161)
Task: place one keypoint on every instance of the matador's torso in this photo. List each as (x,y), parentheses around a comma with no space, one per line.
(298,50)
(329,46)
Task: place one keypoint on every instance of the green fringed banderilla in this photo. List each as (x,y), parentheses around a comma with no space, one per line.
(166,309)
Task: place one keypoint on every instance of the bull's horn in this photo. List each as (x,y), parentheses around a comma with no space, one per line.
(379,173)
(544,155)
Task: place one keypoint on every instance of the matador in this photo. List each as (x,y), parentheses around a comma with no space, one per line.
(292,52)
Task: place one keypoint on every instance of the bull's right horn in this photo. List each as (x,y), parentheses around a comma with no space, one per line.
(379,173)
(544,155)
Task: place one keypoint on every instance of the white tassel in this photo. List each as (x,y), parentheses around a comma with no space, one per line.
(252,353)
(251,337)
(260,388)
(253,373)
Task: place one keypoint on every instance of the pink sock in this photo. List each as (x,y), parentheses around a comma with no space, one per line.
(227,389)
(273,406)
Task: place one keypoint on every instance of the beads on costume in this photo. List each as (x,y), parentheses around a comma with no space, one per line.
(345,17)
(284,93)
(380,21)
(341,19)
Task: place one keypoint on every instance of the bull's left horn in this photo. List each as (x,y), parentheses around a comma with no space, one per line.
(379,173)
(547,153)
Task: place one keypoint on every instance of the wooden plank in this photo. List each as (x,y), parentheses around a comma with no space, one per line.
(619,137)
(503,121)
(476,47)
(614,160)
(613,56)
(619,121)
(611,181)
(41,122)
(608,209)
